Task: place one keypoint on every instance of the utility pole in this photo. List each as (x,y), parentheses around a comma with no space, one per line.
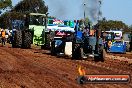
(46,21)
(84,9)
(84,4)
(99,13)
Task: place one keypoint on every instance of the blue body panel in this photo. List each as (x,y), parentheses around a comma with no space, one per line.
(79,34)
(58,42)
(79,37)
(118,48)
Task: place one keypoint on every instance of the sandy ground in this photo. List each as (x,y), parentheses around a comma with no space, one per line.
(35,68)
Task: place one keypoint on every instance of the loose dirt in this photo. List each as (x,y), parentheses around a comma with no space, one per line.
(35,68)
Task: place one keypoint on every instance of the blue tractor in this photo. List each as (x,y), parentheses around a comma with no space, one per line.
(114,42)
(88,44)
(80,44)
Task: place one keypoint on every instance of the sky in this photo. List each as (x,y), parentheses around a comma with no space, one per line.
(74,9)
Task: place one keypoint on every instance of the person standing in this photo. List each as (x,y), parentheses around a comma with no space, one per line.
(86,31)
(3,37)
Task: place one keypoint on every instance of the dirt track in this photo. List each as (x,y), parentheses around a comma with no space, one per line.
(32,68)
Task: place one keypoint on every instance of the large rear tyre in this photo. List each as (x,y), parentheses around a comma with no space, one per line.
(53,50)
(128,48)
(101,55)
(76,51)
(27,40)
(47,41)
(17,40)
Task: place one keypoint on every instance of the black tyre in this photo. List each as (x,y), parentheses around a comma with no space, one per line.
(27,40)
(101,55)
(76,51)
(128,47)
(53,51)
(17,40)
(0,39)
(47,42)
(42,46)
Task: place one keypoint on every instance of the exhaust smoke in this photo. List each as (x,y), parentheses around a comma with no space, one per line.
(73,9)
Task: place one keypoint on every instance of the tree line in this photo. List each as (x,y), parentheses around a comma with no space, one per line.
(19,10)
(28,6)
(107,25)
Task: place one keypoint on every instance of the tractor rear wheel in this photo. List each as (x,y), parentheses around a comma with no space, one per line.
(48,41)
(17,41)
(76,51)
(101,55)
(53,51)
(27,39)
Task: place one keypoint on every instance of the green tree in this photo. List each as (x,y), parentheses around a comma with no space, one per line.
(112,25)
(31,6)
(5,19)
(5,3)
(87,21)
(130,28)
(18,11)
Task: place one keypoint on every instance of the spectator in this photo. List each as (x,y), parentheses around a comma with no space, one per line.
(3,37)
(86,31)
